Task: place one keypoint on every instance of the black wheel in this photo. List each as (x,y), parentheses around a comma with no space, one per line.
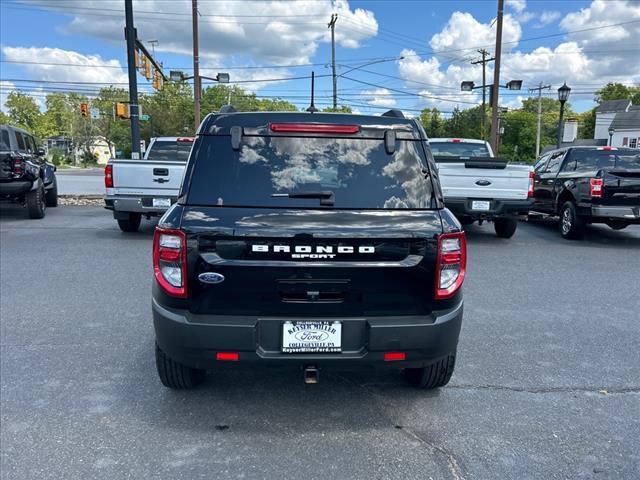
(571,225)
(618,225)
(175,375)
(130,224)
(36,204)
(505,227)
(435,375)
(51,197)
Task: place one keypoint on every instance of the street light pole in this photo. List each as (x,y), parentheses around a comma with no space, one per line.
(130,35)
(196,66)
(611,131)
(496,77)
(563,96)
(332,26)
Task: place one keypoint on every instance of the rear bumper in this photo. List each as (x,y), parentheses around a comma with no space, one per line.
(138,204)
(625,213)
(194,340)
(498,208)
(15,188)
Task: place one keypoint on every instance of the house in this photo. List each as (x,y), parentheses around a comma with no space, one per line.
(626,128)
(98,146)
(605,113)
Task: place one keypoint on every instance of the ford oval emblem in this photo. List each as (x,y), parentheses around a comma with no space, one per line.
(211,277)
(483,183)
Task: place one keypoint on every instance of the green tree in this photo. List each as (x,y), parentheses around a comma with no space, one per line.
(432,122)
(587,124)
(116,131)
(618,91)
(519,138)
(340,109)
(23,111)
(4,118)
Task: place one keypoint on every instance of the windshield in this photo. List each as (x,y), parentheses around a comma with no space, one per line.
(459,149)
(358,172)
(597,159)
(169,151)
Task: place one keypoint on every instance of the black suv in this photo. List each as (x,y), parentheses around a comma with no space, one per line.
(588,185)
(309,240)
(25,177)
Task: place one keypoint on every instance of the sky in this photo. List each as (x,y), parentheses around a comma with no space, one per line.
(390,54)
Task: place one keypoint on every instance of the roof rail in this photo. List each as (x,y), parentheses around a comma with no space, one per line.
(394,112)
(227,109)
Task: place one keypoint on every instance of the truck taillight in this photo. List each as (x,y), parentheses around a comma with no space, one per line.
(170,261)
(108,176)
(451,264)
(532,178)
(18,166)
(596,187)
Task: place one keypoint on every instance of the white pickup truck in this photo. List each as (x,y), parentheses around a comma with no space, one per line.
(478,186)
(146,187)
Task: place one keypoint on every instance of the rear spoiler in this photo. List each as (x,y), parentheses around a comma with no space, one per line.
(473,162)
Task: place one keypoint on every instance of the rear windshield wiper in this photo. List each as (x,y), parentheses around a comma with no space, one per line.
(326,197)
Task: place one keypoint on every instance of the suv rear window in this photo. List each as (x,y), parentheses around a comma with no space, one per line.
(169,151)
(5,144)
(459,149)
(358,171)
(587,160)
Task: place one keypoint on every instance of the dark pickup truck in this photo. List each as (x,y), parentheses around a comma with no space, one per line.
(308,240)
(583,185)
(25,176)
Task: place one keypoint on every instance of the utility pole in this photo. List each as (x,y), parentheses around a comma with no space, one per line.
(484,62)
(130,35)
(496,79)
(539,89)
(332,26)
(196,66)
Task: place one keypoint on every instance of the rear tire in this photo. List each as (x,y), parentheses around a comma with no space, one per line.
(51,197)
(131,224)
(505,227)
(175,375)
(435,375)
(571,225)
(36,204)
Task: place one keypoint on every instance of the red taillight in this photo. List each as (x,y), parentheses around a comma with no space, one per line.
(18,166)
(451,264)
(607,148)
(228,356)
(532,177)
(596,187)
(456,140)
(108,176)
(313,128)
(170,261)
(185,139)
(394,356)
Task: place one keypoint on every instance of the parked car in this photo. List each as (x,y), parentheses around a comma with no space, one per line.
(147,187)
(583,185)
(25,176)
(310,240)
(477,186)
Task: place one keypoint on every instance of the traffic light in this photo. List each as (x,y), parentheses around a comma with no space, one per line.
(157,80)
(84,109)
(122,110)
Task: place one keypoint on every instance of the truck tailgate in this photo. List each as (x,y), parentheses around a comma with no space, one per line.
(460,181)
(145,177)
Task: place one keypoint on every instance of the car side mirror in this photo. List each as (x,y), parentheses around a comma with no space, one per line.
(40,152)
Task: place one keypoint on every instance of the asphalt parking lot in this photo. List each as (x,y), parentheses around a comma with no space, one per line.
(547,383)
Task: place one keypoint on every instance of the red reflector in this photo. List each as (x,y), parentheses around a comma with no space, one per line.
(607,148)
(452,257)
(228,356)
(185,140)
(456,140)
(313,128)
(169,254)
(394,356)
(108,176)
(596,186)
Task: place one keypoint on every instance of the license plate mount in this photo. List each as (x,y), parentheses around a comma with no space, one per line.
(312,337)
(161,202)
(482,205)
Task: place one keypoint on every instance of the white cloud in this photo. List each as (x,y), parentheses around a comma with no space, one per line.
(275,32)
(94,68)
(547,17)
(517,5)
(380,97)
(462,26)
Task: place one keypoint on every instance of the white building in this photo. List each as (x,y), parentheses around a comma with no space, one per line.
(626,128)
(605,113)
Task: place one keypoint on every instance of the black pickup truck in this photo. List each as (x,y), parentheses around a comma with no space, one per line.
(308,240)
(25,176)
(583,185)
